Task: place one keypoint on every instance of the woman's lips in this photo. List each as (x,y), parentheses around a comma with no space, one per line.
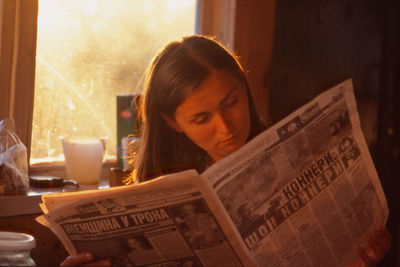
(228,141)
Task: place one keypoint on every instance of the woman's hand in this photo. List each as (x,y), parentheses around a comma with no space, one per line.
(379,242)
(84,259)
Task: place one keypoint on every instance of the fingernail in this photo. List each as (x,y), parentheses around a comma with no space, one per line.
(89,256)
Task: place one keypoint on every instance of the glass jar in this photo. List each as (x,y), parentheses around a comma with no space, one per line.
(15,249)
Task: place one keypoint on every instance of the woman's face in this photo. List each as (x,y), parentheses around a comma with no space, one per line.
(188,210)
(216,115)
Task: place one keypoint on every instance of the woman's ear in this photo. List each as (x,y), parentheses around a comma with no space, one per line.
(172,123)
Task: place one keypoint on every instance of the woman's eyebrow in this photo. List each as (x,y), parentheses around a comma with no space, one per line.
(195,115)
(229,94)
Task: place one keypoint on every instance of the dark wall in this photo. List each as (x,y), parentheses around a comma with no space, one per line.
(320,43)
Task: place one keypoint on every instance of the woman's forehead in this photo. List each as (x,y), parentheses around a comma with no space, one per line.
(211,92)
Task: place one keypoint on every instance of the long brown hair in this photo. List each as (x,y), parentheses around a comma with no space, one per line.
(177,70)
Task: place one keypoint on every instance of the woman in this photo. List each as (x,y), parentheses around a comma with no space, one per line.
(182,132)
(197,109)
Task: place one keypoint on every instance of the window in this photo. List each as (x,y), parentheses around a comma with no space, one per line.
(87,53)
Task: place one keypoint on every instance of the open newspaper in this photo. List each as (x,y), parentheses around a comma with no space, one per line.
(302,193)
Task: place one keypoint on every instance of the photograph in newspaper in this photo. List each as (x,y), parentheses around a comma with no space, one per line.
(197,224)
(304,192)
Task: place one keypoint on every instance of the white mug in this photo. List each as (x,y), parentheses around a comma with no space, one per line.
(84,158)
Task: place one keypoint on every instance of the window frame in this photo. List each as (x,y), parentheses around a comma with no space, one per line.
(17,64)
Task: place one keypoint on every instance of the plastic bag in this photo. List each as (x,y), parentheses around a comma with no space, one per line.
(14,178)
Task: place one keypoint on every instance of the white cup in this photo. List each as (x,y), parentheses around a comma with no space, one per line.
(84,158)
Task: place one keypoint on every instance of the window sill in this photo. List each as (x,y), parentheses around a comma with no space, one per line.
(29,204)
(57,168)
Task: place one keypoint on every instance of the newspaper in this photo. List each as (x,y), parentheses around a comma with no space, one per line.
(303,193)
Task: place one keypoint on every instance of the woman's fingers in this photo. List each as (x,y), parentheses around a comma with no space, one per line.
(78,259)
(84,259)
(383,231)
(379,242)
(105,262)
(365,258)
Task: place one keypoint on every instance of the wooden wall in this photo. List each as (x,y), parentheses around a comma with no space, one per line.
(247,28)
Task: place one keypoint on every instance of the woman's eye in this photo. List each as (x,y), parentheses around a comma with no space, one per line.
(200,120)
(230,102)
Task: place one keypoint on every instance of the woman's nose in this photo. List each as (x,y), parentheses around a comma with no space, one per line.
(223,123)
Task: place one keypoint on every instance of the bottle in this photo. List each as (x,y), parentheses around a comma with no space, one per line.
(15,249)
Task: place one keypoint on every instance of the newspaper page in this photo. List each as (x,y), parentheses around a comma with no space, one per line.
(171,221)
(304,192)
